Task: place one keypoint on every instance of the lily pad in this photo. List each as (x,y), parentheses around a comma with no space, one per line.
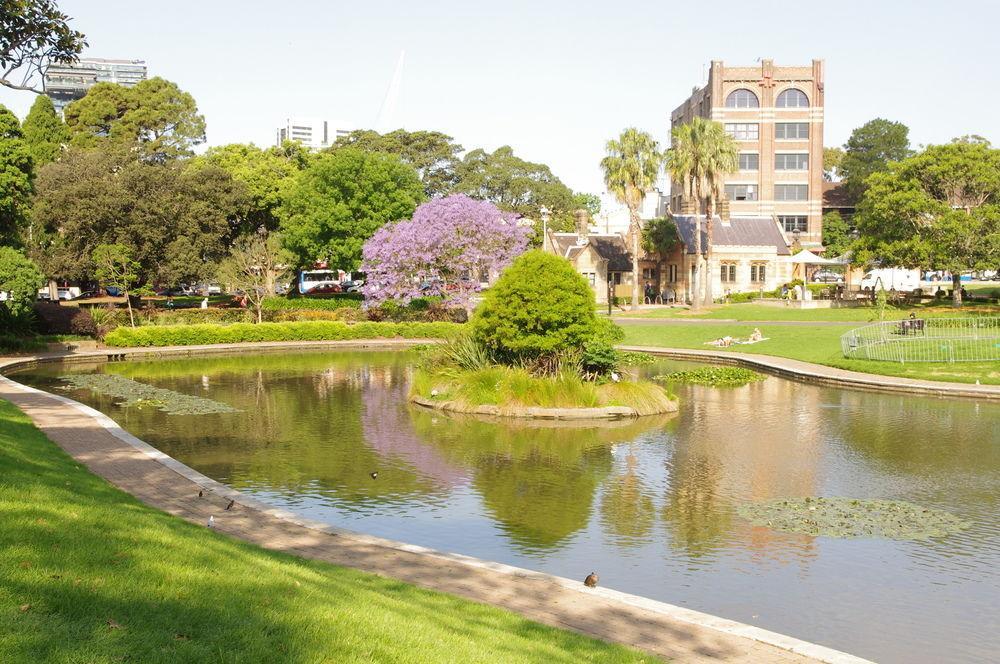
(139,395)
(849,517)
(714,376)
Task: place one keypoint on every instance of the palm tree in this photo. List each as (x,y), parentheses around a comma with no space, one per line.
(700,156)
(630,170)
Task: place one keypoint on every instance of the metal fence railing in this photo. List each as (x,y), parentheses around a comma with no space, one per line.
(972,339)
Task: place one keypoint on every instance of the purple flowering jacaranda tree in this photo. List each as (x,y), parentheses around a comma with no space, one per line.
(445,249)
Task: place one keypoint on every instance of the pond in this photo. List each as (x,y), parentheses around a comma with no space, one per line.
(649,504)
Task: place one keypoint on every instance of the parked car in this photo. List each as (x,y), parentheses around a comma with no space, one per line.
(325,289)
(88,295)
(828,277)
(353,286)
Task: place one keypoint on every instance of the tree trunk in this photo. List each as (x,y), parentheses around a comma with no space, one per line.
(128,303)
(636,232)
(53,291)
(956,292)
(696,280)
(709,212)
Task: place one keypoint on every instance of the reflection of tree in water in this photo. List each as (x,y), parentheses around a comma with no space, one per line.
(695,513)
(538,480)
(627,509)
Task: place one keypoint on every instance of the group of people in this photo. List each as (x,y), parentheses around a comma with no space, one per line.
(727,341)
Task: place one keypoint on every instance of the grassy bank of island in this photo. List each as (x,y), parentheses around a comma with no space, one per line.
(93,575)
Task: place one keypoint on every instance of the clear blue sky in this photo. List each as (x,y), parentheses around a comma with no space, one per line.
(552,79)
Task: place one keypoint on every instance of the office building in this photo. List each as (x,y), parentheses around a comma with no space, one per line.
(313,133)
(65,83)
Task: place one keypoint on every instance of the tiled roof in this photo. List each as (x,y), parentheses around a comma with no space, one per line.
(612,248)
(835,196)
(739,232)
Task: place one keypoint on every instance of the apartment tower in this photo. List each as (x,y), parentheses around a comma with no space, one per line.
(67,82)
(776,116)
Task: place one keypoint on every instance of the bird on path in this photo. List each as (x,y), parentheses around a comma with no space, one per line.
(211,522)
(230,505)
(373,474)
(591,580)
(200,493)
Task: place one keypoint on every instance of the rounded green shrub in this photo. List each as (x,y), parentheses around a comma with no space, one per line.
(539,307)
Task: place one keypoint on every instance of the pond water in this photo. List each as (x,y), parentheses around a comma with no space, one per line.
(649,504)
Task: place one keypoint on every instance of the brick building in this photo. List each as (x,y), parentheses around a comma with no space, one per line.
(776,115)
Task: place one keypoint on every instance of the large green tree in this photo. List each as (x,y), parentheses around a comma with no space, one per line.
(16,175)
(33,35)
(630,170)
(340,200)
(434,155)
(938,210)
(175,220)
(832,158)
(836,234)
(155,116)
(19,282)
(700,156)
(515,185)
(870,149)
(44,132)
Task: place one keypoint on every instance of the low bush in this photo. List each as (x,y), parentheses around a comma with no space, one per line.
(188,335)
(53,318)
(14,344)
(195,316)
(317,303)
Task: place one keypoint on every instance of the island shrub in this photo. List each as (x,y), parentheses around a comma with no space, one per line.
(539,308)
(188,335)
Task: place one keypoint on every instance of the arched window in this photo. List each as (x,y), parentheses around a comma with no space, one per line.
(742,98)
(792,98)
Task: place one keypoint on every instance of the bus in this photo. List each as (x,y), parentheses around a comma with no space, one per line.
(311,279)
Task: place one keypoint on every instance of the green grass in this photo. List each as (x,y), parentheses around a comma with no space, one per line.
(863,314)
(15,344)
(509,387)
(92,575)
(810,343)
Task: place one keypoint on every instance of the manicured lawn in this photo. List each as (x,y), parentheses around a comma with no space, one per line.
(91,575)
(760,312)
(811,343)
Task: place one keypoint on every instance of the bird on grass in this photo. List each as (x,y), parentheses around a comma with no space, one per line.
(230,505)
(373,474)
(591,580)
(211,522)
(200,493)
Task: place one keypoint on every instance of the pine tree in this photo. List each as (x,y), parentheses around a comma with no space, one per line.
(44,131)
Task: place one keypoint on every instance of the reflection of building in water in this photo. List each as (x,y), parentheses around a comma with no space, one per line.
(358,377)
(767,446)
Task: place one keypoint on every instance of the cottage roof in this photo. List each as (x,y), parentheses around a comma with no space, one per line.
(610,247)
(738,232)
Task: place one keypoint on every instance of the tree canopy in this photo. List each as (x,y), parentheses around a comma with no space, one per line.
(340,200)
(432,154)
(515,185)
(156,116)
(175,220)
(832,158)
(589,202)
(836,234)
(938,210)
(20,280)
(445,249)
(33,35)
(870,149)
(16,176)
(44,132)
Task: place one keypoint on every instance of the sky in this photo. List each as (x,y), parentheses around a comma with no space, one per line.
(552,79)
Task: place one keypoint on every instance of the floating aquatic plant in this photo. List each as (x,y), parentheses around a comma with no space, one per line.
(714,376)
(848,517)
(139,395)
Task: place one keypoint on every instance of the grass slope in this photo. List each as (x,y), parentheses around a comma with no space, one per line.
(91,575)
(860,315)
(819,344)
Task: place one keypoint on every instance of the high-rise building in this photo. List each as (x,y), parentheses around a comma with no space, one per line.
(65,83)
(312,133)
(776,116)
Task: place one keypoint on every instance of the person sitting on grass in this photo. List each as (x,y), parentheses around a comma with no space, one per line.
(723,342)
(755,336)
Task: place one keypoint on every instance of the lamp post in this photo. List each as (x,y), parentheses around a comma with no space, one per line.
(544,212)
(610,296)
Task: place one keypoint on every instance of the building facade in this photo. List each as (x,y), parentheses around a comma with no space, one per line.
(602,259)
(313,133)
(65,83)
(776,115)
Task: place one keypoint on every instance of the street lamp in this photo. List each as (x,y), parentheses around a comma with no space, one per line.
(545,212)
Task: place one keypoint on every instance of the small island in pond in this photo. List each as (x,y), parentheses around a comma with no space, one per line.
(536,348)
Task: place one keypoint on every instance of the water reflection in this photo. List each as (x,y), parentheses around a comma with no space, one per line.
(649,503)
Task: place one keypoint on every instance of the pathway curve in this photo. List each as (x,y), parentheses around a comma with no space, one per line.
(164,483)
(626,320)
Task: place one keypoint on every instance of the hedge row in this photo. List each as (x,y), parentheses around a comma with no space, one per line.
(190,335)
(329,303)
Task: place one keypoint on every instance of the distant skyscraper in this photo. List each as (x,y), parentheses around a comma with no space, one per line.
(310,132)
(65,83)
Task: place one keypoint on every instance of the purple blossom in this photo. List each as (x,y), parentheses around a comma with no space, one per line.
(446,249)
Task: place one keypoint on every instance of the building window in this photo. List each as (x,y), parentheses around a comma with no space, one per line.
(727,272)
(741,192)
(792,98)
(743,131)
(798,130)
(794,222)
(672,272)
(649,274)
(758,272)
(616,278)
(591,278)
(749,161)
(791,162)
(791,192)
(742,98)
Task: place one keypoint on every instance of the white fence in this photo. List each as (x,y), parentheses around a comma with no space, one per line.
(972,339)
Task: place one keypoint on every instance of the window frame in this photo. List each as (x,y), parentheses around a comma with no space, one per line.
(733,198)
(798,135)
(781,159)
(735,96)
(758,272)
(746,131)
(782,186)
(756,161)
(802,226)
(786,93)
(727,272)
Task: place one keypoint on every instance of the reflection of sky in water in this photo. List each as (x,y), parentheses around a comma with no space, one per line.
(648,504)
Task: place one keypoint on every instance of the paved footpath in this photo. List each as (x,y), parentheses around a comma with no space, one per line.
(162,482)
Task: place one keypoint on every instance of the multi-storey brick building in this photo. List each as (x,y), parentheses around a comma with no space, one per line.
(776,115)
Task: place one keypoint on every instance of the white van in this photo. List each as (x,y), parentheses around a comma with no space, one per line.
(898,279)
